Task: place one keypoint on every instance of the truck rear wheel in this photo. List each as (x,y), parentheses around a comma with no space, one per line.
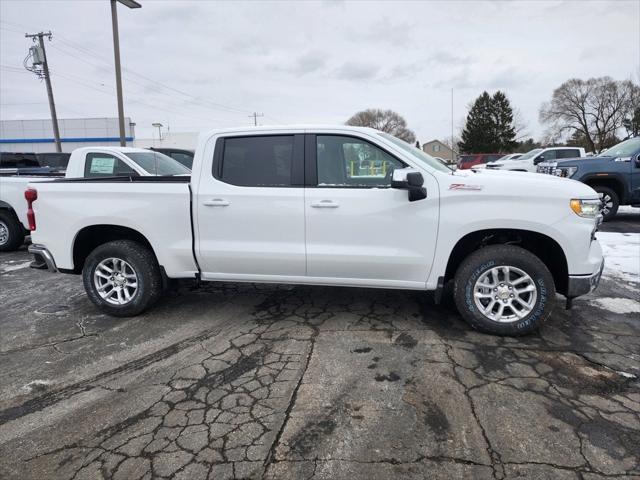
(11,232)
(122,278)
(504,290)
(610,202)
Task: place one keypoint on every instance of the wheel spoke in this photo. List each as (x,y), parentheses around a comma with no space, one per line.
(528,288)
(483,295)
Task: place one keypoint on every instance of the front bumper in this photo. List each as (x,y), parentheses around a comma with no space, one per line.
(583,284)
(42,258)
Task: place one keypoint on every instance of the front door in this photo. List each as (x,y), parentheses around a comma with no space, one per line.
(250,210)
(359,230)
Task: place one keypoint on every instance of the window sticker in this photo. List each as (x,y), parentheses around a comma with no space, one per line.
(102,165)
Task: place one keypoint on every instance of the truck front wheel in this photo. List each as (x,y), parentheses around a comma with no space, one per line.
(504,290)
(610,202)
(122,278)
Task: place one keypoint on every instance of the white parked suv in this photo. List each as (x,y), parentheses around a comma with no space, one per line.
(529,161)
(303,205)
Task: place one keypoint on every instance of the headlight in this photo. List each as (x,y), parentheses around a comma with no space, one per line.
(586,208)
(566,172)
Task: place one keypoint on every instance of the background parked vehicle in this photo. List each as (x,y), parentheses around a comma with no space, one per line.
(22,160)
(285,205)
(472,159)
(510,156)
(87,162)
(614,173)
(183,156)
(529,161)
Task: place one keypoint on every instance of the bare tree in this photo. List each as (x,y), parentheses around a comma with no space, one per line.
(596,108)
(384,120)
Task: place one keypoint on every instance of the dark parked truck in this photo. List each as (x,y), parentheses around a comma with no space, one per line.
(615,174)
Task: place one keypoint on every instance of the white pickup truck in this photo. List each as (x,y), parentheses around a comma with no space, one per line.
(335,205)
(530,160)
(87,162)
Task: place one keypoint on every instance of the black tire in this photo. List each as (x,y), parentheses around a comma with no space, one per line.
(481,261)
(141,260)
(608,195)
(13,229)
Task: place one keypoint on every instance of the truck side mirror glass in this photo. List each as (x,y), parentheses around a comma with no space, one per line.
(539,158)
(410,180)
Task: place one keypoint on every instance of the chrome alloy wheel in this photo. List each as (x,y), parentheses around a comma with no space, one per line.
(116,281)
(4,233)
(505,294)
(607,203)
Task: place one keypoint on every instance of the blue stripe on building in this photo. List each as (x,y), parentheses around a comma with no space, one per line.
(63,140)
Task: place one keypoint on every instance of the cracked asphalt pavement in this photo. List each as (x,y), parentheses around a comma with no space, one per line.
(277,382)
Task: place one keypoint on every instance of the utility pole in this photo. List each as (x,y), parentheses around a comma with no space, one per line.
(255,116)
(116,55)
(41,68)
(452,146)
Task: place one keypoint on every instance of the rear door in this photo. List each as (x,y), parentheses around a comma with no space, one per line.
(250,209)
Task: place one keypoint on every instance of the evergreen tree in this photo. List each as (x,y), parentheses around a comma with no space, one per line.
(504,130)
(489,127)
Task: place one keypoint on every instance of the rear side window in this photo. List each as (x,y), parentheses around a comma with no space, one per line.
(491,158)
(263,161)
(567,153)
(104,165)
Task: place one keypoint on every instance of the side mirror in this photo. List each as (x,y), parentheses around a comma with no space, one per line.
(637,160)
(539,158)
(410,180)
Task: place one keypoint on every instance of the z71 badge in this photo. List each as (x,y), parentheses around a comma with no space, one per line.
(464,186)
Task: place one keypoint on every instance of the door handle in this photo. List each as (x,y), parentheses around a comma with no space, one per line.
(216,202)
(325,204)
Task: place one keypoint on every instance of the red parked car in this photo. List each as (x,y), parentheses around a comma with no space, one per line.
(473,159)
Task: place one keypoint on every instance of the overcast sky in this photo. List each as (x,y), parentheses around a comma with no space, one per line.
(207,64)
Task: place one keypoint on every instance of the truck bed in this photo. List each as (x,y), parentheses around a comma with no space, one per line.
(157,207)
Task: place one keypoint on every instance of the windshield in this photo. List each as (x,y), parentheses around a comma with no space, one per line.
(530,154)
(624,149)
(416,153)
(156,163)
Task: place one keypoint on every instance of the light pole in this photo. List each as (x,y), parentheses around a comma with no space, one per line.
(159,127)
(116,54)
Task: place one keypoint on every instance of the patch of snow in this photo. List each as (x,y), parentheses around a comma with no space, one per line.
(628,209)
(36,385)
(626,375)
(621,255)
(14,266)
(616,305)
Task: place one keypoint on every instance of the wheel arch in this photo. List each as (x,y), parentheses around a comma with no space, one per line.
(542,246)
(613,182)
(92,236)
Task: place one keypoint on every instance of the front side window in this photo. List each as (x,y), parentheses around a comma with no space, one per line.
(260,161)
(105,165)
(353,162)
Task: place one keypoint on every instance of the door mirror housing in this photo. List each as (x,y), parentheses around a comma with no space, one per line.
(410,180)
(539,158)
(637,160)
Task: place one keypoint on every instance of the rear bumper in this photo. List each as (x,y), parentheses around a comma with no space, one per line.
(42,258)
(583,284)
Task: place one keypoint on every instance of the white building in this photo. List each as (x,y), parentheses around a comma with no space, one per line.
(37,135)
